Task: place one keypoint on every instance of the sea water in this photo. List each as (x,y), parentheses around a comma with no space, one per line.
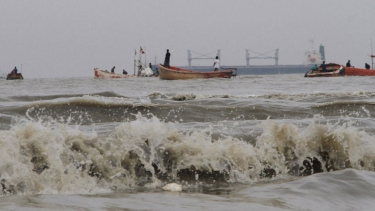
(264,142)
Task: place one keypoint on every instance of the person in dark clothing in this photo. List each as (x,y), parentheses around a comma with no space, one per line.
(124,72)
(348,64)
(113,69)
(14,71)
(167,56)
(367,66)
(323,66)
(150,66)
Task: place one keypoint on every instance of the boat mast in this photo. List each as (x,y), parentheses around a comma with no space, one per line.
(140,61)
(135,54)
(145,58)
(372,57)
(312,45)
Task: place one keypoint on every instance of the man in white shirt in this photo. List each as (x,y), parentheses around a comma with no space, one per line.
(217,64)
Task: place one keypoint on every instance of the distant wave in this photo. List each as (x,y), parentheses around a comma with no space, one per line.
(303,96)
(180,96)
(52,97)
(89,109)
(279,96)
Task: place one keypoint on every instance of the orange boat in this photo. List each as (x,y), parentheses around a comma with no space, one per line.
(353,71)
(332,70)
(175,73)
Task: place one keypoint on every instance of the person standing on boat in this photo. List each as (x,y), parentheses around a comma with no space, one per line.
(15,70)
(323,66)
(217,64)
(113,69)
(124,72)
(348,64)
(166,60)
(367,66)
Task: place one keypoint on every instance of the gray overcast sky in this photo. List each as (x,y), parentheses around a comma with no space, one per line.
(68,38)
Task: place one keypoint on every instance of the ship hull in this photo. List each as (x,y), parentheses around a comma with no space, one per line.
(260,70)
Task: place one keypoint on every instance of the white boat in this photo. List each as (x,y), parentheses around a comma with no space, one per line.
(147,72)
(143,70)
(106,74)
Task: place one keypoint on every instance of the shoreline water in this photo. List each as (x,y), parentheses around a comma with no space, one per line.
(254,141)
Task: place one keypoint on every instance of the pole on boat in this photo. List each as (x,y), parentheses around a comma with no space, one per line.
(145,58)
(135,53)
(372,57)
(140,61)
(21,68)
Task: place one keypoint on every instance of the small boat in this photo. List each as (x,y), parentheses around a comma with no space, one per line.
(14,76)
(106,74)
(353,71)
(332,70)
(175,73)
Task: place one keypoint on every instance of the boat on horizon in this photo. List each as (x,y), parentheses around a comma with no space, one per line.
(332,70)
(339,70)
(176,73)
(106,74)
(14,76)
(353,71)
(98,73)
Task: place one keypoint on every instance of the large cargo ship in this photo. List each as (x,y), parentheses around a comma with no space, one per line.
(259,69)
(311,58)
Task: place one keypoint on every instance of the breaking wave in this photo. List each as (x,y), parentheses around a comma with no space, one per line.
(46,157)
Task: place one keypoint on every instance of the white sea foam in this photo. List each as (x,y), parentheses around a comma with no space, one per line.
(50,158)
(174,187)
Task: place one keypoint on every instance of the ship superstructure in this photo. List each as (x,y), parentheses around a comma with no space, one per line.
(312,57)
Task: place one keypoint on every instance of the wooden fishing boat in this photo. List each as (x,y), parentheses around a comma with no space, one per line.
(14,76)
(106,74)
(332,70)
(175,73)
(353,71)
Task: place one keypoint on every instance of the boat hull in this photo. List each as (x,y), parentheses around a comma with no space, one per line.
(175,73)
(14,76)
(352,71)
(333,70)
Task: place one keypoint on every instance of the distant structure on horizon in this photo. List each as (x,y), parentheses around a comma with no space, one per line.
(201,57)
(311,58)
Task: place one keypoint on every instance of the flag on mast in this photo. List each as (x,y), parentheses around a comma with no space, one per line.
(141,50)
